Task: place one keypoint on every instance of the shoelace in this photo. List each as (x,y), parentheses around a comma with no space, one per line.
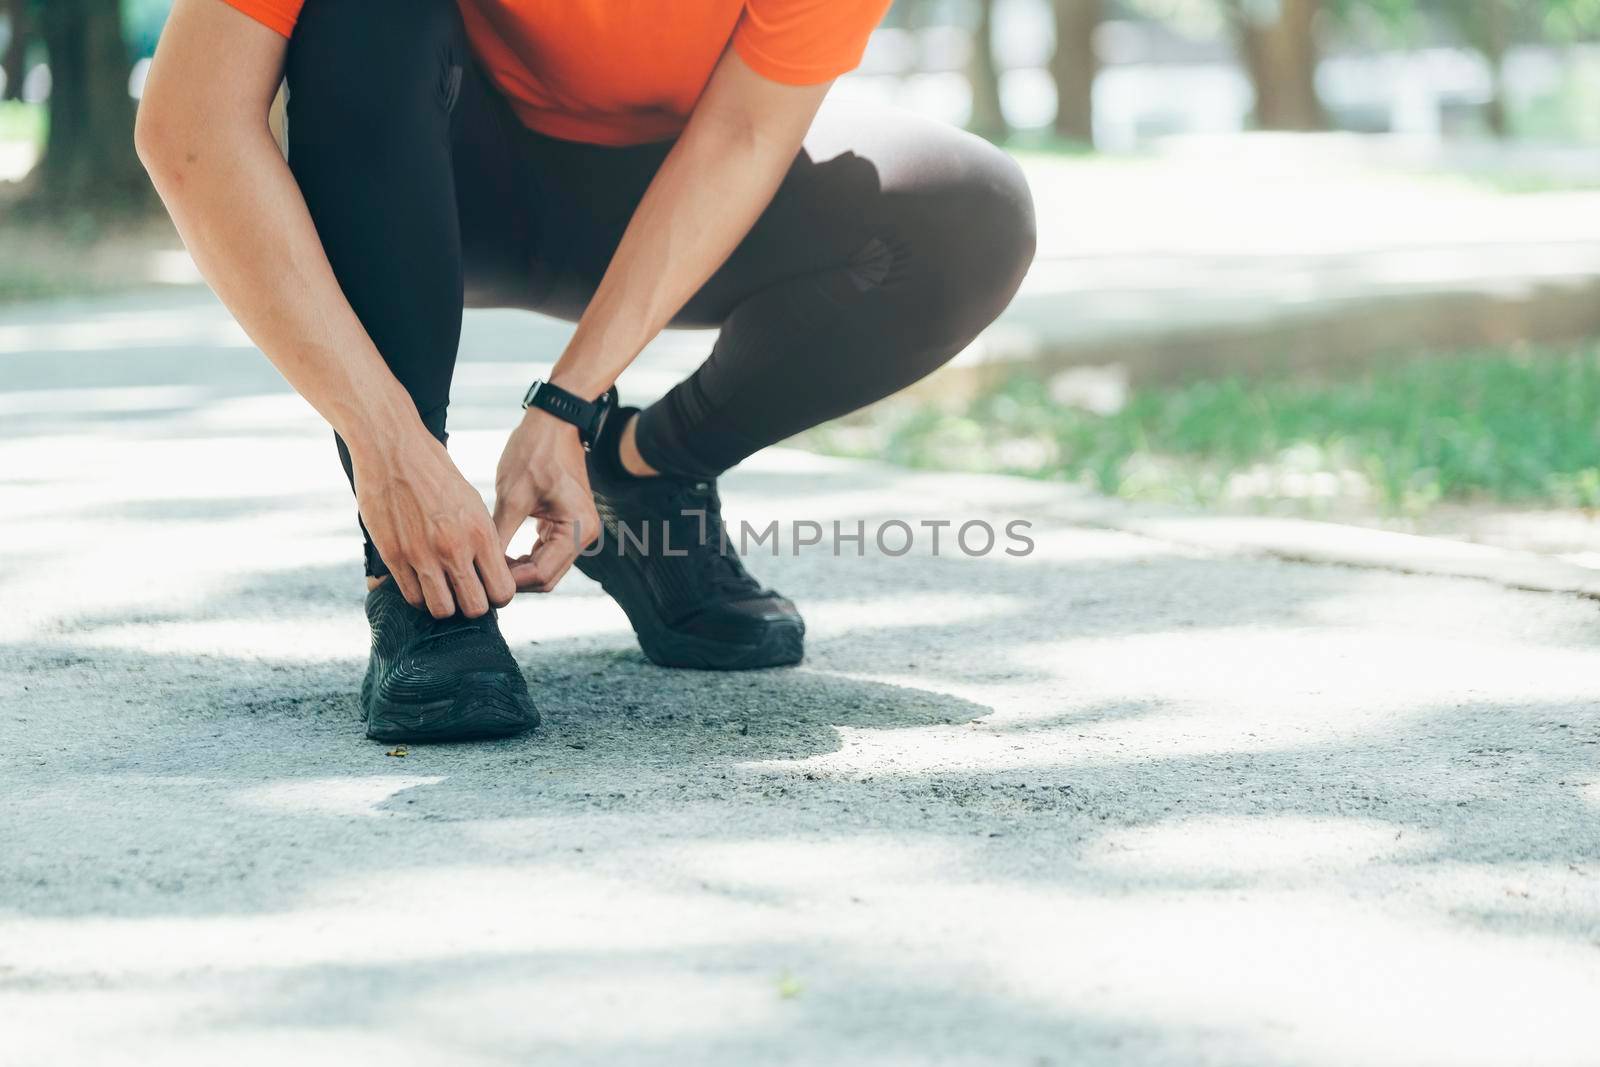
(719,562)
(416,629)
(441,631)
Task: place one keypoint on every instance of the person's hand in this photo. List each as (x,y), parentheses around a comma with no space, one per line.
(542,475)
(432,530)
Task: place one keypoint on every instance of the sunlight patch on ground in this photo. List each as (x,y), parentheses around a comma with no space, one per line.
(1284,846)
(1256,974)
(1253,663)
(128,600)
(330,796)
(199,1025)
(1558,895)
(103,468)
(235,1022)
(660,1005)
(498,910)
(835,618)
(1288,972)
(1197,692)
(577,609)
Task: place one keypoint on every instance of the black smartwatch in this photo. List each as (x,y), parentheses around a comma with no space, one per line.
(589,416)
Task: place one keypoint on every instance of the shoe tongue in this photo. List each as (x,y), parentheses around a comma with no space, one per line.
(700,499)
(726,570)
(731,577)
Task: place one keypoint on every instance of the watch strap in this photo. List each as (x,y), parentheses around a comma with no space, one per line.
(587,415)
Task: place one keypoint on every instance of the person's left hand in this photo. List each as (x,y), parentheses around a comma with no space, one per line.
(542,475)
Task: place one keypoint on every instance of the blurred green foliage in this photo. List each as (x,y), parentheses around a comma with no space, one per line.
(141,23)
(1571,18)
(1512,426)
(21,122)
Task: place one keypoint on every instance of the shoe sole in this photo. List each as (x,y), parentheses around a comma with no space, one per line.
(781,645)
(487,705)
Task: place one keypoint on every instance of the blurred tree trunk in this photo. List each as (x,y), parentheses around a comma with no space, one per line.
(988,118)
(89,161)
(1074,66)
(14,62)
(1486,25)
(1496,44)
(1280,57)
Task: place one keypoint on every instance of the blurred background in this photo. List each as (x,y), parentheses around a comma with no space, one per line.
(1337,258)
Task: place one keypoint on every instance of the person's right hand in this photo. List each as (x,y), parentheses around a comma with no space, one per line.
(433,531)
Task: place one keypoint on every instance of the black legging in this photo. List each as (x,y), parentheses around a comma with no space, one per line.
(890,244)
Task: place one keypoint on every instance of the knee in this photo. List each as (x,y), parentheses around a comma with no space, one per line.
(995,212)
(358,67)
(983,242)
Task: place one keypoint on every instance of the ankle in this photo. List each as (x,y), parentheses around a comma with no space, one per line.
(628,451)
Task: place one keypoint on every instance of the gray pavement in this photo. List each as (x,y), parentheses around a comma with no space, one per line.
(1134,798)
(1233,254)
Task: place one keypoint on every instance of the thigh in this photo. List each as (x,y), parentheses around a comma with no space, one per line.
(829,210)
(877,192)
(868,183)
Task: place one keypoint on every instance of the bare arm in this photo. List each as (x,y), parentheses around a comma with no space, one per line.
(740,141)
(203,136)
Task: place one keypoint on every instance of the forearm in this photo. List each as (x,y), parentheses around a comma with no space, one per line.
(267,265)
(702,202)
(203,136)
(712,187)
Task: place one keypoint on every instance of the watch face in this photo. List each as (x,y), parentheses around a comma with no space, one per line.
(597,424)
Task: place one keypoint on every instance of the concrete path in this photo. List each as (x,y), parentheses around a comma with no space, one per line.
(1234,254)
(1123,800)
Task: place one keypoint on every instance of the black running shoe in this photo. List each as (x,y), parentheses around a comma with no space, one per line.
(665,557)
(439,679)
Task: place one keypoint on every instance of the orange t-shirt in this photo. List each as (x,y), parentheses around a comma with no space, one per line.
(619,72)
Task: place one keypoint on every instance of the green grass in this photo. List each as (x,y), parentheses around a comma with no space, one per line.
(22,122)
(1509,426)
